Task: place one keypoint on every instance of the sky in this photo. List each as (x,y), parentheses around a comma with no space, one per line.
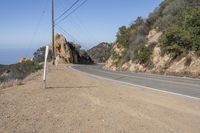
(27,23)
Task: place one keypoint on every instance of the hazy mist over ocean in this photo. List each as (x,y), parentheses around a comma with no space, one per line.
(12,55)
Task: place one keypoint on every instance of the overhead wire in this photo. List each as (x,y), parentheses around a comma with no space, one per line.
(66,11)
(67,34)
(82,26)
(72,11)
(63,15)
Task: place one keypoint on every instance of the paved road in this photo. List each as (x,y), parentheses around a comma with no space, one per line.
(178,85)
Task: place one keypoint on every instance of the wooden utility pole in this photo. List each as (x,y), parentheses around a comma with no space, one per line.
(53,48)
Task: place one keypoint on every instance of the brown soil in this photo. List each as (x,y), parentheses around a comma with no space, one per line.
(77,103)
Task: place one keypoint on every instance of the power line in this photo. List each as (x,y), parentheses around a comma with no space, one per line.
(73,11)
(66,33)
(67,10)
(83,27)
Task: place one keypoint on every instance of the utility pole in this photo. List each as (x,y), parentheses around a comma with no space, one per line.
(53,48)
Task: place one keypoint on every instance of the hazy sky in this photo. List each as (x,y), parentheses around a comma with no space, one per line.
(27,23)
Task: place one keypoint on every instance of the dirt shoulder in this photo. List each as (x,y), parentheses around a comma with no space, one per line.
(75,103)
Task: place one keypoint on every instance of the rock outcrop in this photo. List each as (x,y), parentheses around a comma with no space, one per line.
(111,63)
(22,60)
(67,52)
(62,49)
(188,65)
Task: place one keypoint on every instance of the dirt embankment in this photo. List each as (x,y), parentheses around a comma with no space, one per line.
(76,103)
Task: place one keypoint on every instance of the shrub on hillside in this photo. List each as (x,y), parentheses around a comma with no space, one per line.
(192,24)
(123,36)
(178,20)
(142,54)
(175,41)
(40,54)
(183,36)
(19,71)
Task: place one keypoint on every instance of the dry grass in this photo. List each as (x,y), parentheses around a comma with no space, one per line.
(11,83)
(17,82)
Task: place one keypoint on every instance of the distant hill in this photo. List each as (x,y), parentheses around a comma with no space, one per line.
(100,53)
(2,68)
(168,41)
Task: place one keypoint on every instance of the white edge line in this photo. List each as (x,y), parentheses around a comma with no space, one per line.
(140,86)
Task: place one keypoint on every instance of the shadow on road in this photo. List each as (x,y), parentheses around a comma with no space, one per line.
(69,87)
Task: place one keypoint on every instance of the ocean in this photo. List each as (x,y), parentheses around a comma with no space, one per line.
(12,56)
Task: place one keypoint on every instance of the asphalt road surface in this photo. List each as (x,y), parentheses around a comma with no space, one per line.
(176,85)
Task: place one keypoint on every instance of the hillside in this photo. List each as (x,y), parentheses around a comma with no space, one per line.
(2,68)
(100,53)
(168,41)
(15,73)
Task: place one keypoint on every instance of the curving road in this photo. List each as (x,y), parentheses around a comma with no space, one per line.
(176,85)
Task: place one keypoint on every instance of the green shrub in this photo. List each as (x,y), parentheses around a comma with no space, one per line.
(175,41)
(183,36)
(192,24)
(20,70)
(40,54)
(142,54)
(123,36)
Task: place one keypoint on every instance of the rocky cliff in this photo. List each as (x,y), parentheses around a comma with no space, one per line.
(67,52)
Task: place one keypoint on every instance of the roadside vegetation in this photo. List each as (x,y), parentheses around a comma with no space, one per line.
(178,20)
(21,70)
(14,74)
(184,35)
(39,55)
(142,54)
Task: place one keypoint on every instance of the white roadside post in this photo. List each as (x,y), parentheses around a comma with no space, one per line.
(45,67)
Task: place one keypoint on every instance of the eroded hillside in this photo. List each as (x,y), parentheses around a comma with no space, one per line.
(168,41)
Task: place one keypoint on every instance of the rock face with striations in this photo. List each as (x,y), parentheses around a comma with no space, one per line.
(62,49)
(67,52)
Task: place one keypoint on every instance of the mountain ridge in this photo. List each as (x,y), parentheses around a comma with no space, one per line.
(100,53)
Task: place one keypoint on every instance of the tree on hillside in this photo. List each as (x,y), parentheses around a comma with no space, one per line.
(40,54)
(183,36)
(123,36)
